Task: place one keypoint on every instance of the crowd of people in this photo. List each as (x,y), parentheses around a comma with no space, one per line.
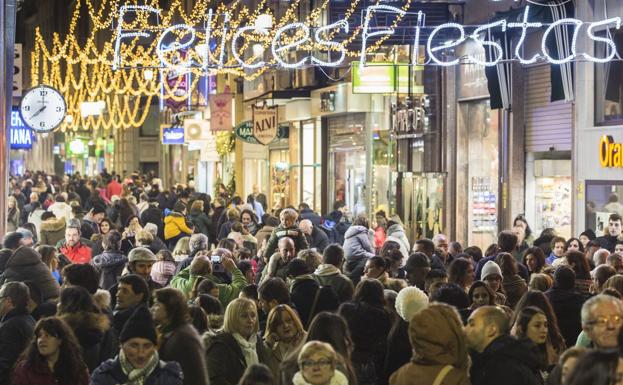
(108,281)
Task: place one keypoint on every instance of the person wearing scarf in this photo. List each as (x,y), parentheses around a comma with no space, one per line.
(231,352)
(138,362)
(317,366)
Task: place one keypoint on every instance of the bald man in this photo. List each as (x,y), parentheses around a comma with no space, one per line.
(278,262)
(497,357)
(316,238)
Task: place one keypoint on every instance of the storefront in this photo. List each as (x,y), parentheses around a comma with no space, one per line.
(349,122)
(597,164)
(548,143)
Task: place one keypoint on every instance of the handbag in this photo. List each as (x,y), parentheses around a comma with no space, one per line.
(442,374)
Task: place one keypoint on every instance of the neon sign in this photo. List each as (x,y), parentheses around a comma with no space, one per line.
(21,137)
(304,37)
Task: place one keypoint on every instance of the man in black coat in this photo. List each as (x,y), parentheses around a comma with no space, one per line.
(498,358)
(316,238)
(153,214)
(567,304)
(16,326)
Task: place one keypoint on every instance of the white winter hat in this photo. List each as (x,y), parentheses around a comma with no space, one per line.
(490,268)
(409,301)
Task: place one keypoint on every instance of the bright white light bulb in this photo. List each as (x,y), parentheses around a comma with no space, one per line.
(264,21)
(148,75)
(258,49)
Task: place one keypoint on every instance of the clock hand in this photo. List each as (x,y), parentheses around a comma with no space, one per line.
(38,112)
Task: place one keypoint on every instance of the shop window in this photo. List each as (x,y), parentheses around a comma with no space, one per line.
(609,84)
(602,199)
(477,173)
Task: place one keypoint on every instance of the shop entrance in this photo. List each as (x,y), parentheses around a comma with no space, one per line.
(419,203)
(349,184)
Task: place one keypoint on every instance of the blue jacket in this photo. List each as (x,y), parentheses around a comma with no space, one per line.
(110,373)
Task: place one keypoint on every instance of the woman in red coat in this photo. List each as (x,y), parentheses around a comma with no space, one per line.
(53,357)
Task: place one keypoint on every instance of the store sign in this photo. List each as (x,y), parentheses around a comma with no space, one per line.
(173,135)
(303,37)
(610,153)
(244,132)
(18,84)
(384,78)
(264,124)
(21,136)
(220,112)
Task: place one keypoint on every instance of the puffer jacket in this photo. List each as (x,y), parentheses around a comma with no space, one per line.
(396,233)
(25,265)
(110,264)
(300,242)
(95,336)
(110,373)
(357,246)
(174,225)
(52,231)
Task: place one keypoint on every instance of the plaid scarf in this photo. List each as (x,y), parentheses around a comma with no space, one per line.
(137,376)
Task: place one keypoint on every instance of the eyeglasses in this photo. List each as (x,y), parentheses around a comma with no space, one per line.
(318,364)
(604,321)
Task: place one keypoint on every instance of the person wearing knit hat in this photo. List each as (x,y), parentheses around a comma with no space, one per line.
(439,349)
(492,275)
(140,262)
(409,301)
(138,362)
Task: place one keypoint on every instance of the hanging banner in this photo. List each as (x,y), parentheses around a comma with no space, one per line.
(172,135)
(264,123)
(17,71)
(220,112)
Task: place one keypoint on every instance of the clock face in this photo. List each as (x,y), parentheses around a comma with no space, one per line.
(43,108)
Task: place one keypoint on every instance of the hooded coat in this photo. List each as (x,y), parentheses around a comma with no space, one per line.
(342,286)
(397,234)
(111,264)
(52,231)
(174,225)
(25,265)
(201,222)
(436,334)
(110,373)
(94,335)
(507,361)
(357,246)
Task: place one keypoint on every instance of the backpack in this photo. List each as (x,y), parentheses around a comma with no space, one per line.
(325,299)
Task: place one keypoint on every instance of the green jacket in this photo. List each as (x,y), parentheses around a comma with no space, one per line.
(300,242)
(184,281)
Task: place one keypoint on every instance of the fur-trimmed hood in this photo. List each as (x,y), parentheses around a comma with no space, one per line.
(88,327)
(53,224)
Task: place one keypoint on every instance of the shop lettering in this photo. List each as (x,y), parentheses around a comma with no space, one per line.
(20,136)
(304,35)
(610,153)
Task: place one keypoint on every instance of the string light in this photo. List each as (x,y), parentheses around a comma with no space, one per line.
(276,48)
(557,23)
(330,44)
(613,48)
(524,25)
(448,44)
(498,48)
(366,25)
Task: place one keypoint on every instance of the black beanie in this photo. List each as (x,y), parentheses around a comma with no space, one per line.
(564,278)
(139,325)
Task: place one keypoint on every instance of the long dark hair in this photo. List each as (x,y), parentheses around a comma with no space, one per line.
(579,264)
(371,292)
(175,305)
(540,301)
(70,369)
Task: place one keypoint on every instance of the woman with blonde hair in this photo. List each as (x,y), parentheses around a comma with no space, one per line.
(238,346)
(284,335)
(182,249)
(318,366)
